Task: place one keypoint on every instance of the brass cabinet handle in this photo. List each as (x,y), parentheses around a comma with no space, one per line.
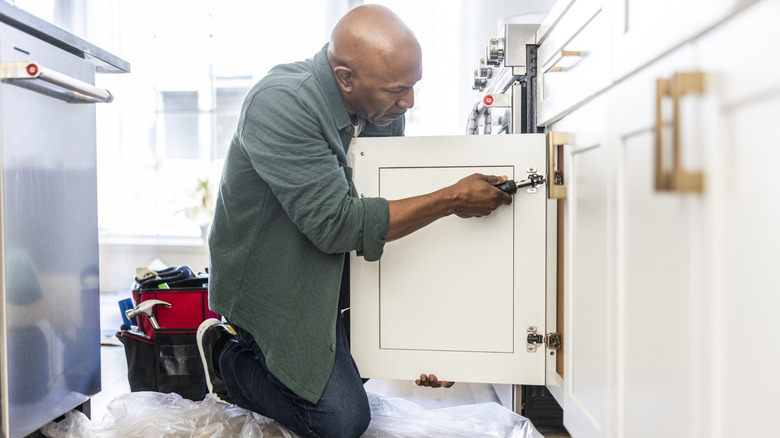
(662,182)
(677,179)
(556,186)
(560,55)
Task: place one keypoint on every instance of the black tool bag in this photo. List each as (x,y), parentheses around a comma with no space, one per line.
(167,359)
(168,363)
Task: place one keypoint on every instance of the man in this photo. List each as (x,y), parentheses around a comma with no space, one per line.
(288,214)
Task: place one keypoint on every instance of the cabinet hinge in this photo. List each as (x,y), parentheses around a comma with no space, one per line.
(535,339)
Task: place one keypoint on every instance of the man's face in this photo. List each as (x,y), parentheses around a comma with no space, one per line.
(383,93)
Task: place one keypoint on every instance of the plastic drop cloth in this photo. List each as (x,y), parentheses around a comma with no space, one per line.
(157,415)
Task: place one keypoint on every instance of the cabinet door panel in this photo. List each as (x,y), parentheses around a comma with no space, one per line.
(432,250)
(456,297)
(588,308)
(655,293)
(659,251)
(746,238)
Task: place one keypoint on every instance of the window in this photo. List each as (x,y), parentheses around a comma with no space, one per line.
(164,138)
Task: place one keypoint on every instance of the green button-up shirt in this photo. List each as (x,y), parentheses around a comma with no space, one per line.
(287,215)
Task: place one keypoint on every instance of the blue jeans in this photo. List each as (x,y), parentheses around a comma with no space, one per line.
(342,411)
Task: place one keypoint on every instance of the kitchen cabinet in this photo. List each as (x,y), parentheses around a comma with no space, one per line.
(661,251)
(581,383)
(665,236)
(459,297)
(743,245)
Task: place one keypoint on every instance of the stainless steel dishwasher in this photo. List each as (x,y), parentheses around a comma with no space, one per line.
(49,292)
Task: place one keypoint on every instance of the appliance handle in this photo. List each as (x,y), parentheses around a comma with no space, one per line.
(82,92)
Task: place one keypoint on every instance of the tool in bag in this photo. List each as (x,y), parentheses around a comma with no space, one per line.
(185,295)
(145,308)
(162,354)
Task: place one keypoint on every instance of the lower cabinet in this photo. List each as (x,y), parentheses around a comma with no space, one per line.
(740,58)
(653,260)
(670,240)
(582,381)
(660,252)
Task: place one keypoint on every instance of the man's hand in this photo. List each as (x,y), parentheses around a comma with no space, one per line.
(476,195)
(432,382)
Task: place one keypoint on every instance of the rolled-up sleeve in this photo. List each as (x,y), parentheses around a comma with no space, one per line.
(375,223)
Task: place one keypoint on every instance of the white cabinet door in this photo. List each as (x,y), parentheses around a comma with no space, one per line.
(586,385)
(661,259)
(455,298)
(745,238)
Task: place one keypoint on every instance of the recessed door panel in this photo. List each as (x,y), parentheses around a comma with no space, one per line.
(441,266)
(457,297)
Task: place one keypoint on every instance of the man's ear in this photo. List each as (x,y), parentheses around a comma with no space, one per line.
(344,77)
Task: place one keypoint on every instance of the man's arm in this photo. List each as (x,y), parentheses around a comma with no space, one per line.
(473,196)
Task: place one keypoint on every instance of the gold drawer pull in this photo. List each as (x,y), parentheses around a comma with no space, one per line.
(563,54)
(677,179)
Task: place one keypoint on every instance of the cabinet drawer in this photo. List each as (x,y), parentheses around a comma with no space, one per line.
(644,31)
(574,60)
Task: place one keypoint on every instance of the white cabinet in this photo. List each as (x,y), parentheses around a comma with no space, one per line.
(660,262)
(457,297)
(677,275)
(668,235)
(744,237)
(584,388)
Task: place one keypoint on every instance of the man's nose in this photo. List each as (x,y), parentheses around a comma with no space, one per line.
(407,100)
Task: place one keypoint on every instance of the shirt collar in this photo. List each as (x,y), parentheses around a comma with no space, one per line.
(330,90)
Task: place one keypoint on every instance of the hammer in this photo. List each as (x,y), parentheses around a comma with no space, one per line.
(145,308)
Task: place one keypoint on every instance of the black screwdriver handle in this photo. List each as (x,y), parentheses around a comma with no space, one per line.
(508,187)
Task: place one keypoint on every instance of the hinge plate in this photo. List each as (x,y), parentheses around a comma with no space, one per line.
(534,340)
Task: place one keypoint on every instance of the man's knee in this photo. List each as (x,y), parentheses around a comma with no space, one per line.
(347,422)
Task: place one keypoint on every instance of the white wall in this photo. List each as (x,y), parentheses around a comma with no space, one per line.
(119,261)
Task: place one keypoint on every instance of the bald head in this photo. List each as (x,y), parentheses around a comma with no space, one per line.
(371,34)
(376,61)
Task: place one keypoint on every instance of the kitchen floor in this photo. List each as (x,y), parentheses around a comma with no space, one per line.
(114,373)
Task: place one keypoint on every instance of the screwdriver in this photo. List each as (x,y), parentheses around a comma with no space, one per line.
(510,186)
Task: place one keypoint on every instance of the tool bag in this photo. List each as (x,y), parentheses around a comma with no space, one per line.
(167,359)
(186,292)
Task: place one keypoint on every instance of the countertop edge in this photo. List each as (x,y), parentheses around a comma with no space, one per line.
(104,62)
